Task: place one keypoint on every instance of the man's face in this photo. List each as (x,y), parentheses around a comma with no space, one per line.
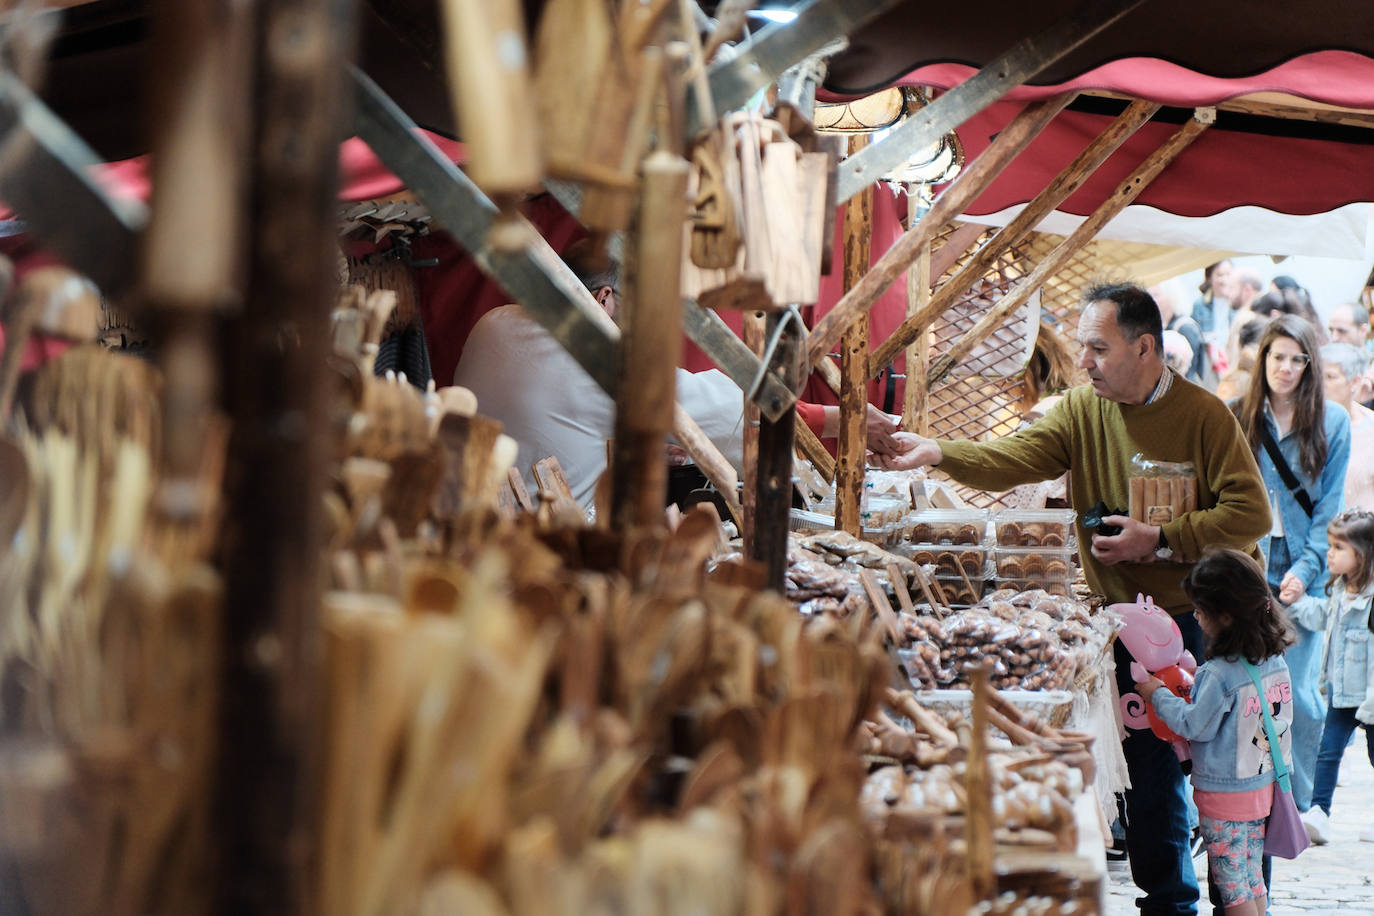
(1116,366)
(1224,281)
(1343,328)
(1336,386)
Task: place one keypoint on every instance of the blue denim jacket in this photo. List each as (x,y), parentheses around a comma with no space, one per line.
(1306,536)
(1224,723)
(1348,655)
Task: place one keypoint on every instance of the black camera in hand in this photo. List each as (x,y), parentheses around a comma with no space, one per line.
(1092,520)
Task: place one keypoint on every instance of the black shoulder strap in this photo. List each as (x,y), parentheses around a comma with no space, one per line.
(1290,479)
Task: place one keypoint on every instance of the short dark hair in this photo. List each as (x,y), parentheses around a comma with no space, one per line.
(1226,582)
(594,272)
(1251,332)
(1137,312)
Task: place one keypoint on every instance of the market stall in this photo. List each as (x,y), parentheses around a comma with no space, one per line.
(277,619)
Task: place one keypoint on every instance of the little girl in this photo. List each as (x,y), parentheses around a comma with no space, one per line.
(1233,771)
(1347,660)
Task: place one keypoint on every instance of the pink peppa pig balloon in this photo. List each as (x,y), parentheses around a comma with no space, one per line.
(1152,638)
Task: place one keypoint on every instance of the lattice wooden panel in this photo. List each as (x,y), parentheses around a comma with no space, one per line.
(980,399)
(982,405)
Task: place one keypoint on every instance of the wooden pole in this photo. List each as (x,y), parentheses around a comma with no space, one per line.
(971,182)
(915,392)
(978,790)
(1069,180)
(774,479)
(1119,199)
(849,457)
(814,450)
(650,346)
(193,251)
(268,794)
(752,330)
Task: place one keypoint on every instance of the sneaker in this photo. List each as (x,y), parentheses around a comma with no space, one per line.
(1318,826)
(1195,843)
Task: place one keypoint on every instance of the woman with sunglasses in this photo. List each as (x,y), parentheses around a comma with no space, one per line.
(1302,444)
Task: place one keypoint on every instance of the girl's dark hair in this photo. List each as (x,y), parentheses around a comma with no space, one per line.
(1309,400)
(1226,582)
(1356,528)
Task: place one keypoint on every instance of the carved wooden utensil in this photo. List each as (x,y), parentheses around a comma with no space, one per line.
(14,489)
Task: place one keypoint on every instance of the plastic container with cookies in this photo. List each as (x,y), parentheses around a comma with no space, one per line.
(949,559)
(948,526)
(1034,528)
(1025,568)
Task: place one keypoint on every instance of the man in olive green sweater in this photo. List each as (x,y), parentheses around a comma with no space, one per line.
(1134,407)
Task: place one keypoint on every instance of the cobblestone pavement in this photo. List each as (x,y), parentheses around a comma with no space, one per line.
(1336,879)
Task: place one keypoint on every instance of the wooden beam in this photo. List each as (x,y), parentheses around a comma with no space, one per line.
(533,274)
(717,340)
(650,346)
(915,392)
(774,478)
(709,460)
(1119,199)
(1069,180)
(270,743)
(752,328)
(48,180)
(955,245)
(852,443)
(814,450)
(971,182)
(757,62)
(1022,61)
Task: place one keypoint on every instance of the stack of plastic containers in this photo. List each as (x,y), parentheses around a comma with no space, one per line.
(956,543)
(1035,549)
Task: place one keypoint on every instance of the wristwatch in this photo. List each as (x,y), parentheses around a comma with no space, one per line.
(1162,549)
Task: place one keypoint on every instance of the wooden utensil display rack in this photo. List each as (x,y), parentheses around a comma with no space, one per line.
(420,706)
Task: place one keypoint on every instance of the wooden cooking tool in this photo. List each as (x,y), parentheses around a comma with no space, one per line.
(489,81)
(14,489)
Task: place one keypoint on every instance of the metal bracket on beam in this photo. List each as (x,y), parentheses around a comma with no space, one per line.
(533,274)
(704,328)
(715,338)
(1025,59)
(46,176)
(763,58)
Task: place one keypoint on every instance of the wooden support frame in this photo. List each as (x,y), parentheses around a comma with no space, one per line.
(650,346)
(51,186)
(717,340)
(915,400)
(535,275)
(814,450)
(852,442)
(708,331)
(1069,180)
(1015,137)
(268,790)
(773,501)
(1125,193)
(759,61)
(1022,61)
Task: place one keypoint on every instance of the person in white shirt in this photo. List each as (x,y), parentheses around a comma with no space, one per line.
(1345,383)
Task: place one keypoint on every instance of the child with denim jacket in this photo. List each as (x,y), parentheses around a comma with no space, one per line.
(1233,770)
(1347,617)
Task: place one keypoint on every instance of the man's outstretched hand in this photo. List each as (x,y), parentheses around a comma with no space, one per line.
(911,451)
